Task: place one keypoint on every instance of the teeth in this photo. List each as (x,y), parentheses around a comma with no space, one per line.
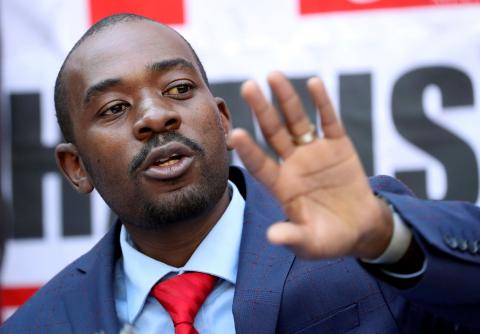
(170,161)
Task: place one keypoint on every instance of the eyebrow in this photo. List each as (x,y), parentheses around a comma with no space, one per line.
(168,64)
(100,87)
(161,66)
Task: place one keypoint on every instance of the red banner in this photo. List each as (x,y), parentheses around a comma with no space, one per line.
(15,297)
(320,6)
(165,11)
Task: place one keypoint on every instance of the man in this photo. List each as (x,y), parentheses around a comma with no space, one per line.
(142,127)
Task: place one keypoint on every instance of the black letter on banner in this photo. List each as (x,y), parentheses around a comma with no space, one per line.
(230,92)
(30,162)
(356,111)
(410,120)
(76,211)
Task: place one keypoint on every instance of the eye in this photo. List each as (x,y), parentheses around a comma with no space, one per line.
(115,109)
(179,91)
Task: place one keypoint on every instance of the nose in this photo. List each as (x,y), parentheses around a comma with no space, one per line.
(156,119)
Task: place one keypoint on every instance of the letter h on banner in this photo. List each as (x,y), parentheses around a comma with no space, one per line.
(30,162)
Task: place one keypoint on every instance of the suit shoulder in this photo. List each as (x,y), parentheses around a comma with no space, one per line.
(46,306)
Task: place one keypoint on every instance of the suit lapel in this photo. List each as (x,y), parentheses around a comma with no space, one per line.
(262,267)
(91,307)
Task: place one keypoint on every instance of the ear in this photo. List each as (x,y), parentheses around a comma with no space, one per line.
(70,164)
(225,119)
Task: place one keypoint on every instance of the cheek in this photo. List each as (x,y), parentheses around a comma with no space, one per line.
(107,157)
(209,130)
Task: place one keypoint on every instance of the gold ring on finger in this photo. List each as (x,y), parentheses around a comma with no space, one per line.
(306,138)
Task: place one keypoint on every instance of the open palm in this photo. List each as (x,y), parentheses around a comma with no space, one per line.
(321,185)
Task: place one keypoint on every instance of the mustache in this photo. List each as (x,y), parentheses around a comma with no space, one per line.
(160,140)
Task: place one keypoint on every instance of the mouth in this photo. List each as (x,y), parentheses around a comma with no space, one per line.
(168,162)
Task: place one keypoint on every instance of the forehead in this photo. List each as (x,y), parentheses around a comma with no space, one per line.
(123,48)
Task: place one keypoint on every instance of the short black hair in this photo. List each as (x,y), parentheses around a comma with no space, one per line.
(60,93)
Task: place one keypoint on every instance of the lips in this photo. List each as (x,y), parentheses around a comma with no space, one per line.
(168,161)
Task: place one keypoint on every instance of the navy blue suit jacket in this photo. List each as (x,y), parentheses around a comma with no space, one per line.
(279,292)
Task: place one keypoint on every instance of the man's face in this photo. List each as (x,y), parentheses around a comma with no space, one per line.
(148,132)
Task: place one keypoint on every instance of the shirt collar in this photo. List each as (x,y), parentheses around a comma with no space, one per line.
(217,255)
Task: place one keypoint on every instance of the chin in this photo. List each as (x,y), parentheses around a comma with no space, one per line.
(182,205)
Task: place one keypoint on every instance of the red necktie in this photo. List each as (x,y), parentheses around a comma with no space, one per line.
(182,296)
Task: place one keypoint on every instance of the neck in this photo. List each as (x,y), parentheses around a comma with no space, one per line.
(175,245)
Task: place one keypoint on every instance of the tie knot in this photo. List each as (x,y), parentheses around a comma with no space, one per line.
(183,295)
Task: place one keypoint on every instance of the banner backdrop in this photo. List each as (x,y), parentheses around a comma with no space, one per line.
(404,76)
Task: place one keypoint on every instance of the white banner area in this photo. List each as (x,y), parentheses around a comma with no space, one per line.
(405,81)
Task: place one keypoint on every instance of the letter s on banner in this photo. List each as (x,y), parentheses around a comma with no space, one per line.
(411,122)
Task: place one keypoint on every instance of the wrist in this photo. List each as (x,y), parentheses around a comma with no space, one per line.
(375,241)
(399,243)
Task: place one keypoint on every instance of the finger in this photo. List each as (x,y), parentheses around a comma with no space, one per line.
(290,104)
(331,125)
(262,167)
(272,128)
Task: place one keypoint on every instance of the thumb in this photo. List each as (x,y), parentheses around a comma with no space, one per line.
(296,237)
(287,234)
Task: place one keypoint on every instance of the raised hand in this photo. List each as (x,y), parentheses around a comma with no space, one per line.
(320,182)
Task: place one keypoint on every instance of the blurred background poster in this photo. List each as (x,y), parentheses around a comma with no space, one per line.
(403,74)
